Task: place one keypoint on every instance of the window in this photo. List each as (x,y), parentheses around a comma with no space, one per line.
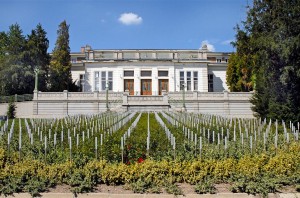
(103,80)
(146,73)
(163,73)
(210,82)
(110,80)
(96,81)
(195,81)
(181,80)
(129,73)
(106,77)
(188,81)
(219,60)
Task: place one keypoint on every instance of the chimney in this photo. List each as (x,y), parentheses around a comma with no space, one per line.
(82,50)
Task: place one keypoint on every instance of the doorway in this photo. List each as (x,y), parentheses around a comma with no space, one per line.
(163,84)
(146,87)
(129,85)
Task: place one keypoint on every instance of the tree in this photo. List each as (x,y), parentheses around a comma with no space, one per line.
(19,55)
(37,56)
(60,65)
(273,29)
(14,74)
(240,74)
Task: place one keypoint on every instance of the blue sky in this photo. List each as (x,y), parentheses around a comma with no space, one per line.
(131,24)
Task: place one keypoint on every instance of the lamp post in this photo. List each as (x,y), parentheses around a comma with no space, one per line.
(36,71)
(183,97)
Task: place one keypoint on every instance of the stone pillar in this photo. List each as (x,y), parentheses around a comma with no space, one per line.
(35,103)
(65,103)
(95,95)
(154,55)
(125,97)
(226,103)
(195,95)
(96,103)
(203,79)
(35,95)
(115,55)
(165,96)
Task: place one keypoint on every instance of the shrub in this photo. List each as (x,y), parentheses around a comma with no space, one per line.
(11,110)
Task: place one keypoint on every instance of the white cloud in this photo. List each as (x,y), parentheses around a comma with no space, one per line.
(210,46)
(227,42)
(130,19)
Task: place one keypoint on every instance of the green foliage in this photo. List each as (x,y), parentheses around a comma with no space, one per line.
(34,186)
(11,110)
(19,55)
(141,186)
(10,184)
(240,74)
(298,188)
(36,55)
(274,42)
(205,187)
(173,189)
(260,185)
(261,171)
(60,65)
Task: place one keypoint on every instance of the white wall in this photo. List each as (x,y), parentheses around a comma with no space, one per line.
(201,68)
(24,109)
(219,73)
(76,76)
(118,79)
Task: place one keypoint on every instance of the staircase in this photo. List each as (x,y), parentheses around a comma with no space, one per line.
(145,103)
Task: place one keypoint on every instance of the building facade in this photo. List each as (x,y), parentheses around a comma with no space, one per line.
(150,72)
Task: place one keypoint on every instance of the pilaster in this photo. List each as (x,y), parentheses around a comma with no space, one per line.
(65,103)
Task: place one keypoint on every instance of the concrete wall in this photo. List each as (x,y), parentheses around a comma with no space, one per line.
(219,80)
(70,103)
(221,103)
(24,109)
(58,104)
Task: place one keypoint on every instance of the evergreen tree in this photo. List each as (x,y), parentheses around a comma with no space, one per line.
(240,74)
(14,74)
(19,55)
(37,55)
(60,65)
(273,29)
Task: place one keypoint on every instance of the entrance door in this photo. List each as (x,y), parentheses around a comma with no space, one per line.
(163,84)
(146,88)
(129,85)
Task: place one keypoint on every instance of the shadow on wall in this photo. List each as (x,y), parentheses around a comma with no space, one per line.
(218,84)
(87,85)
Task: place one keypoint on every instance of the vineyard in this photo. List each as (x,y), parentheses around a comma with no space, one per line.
(148,152)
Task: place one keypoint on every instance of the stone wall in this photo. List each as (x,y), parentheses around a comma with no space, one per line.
(68,103)
(23,109)
(221,103)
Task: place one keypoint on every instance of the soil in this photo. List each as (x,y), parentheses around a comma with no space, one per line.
(123,189)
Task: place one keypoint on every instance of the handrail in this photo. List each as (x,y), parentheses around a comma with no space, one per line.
(16,98)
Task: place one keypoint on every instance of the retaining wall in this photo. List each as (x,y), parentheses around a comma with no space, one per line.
(68,103)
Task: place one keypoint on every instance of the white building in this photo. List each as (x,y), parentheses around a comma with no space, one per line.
(148,72)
